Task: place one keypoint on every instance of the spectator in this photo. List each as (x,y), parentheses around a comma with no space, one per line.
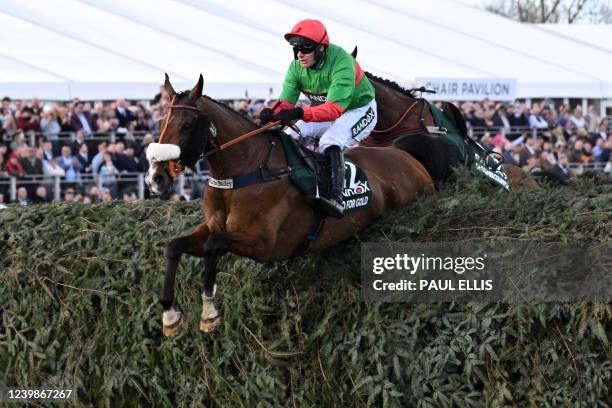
(605,152)
(122,162)
(52,169)
(70,164)
(32,164)
(98,159)
(13,167)
(142,123)
(83,158)
(69,195)
(129,196)
(49,125)
(41,195)
(108,174)
(587,153)
(602,129)
(48,153)
(575,155)
(22,197)
(477,119)
(592,119)
(154,119)
(124,115)
(535,119)
(511,154)
(131,161)
(94,194)
(65,120)
(106,196)
(79,139)
(5,108)
(577,119)
(28,121)
(570,129)
(516,116)
(561,168)
(81,120)
(10,126)
(500,119)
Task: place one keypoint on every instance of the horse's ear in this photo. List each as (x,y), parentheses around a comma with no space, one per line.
(168,87)
(196,92)
(354,53)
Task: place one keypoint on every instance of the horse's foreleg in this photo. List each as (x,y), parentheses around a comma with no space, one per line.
(215,247)
(192,244)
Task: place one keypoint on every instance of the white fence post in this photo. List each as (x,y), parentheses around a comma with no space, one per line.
(57,188)
(141,186)
(13,189)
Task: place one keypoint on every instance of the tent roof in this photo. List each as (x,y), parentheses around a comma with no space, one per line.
(104,49)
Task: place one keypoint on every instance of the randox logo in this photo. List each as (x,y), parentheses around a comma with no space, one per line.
(352,186)
(316,99)
(363,122)
(498,176)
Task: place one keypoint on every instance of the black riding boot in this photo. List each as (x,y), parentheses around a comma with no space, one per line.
(333,203)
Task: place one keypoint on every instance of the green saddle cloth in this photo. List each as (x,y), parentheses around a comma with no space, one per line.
(470,152)
(357,194)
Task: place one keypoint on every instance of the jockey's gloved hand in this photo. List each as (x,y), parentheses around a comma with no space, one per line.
(265,116)
(288,115)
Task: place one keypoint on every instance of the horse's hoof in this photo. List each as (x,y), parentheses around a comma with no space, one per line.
(209,325)
(172,329)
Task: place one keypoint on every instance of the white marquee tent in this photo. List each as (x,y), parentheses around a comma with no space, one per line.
(104,49)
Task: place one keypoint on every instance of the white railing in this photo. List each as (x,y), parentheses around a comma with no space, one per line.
(57,183)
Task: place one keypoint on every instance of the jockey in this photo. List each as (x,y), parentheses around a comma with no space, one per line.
(343,109)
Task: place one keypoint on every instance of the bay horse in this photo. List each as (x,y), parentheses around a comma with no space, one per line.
(403,120)
(266,221)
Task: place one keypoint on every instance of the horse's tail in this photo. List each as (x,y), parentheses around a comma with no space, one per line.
(437,155)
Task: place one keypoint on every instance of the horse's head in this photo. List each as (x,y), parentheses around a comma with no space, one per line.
(184,136)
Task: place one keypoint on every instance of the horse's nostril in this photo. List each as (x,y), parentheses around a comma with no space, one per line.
(158,180)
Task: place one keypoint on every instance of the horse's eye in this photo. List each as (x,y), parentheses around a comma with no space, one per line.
(187,126)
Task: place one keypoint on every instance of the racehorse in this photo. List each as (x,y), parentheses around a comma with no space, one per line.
(265,221)
(407,122)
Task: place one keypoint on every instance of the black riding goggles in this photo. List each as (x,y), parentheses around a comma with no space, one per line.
(305,49)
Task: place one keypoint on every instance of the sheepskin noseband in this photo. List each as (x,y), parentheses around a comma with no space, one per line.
(163,152)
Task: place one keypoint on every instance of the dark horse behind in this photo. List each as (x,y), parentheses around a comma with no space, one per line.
(408,123)
(265,221)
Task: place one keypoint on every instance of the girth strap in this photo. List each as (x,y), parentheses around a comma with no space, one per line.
(255,177)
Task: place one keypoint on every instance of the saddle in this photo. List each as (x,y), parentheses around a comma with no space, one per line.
(310,174)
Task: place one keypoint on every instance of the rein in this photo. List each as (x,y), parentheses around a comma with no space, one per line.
(399,120)
(175,167)
(248,135)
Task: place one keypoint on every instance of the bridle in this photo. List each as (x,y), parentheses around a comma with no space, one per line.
(176,167)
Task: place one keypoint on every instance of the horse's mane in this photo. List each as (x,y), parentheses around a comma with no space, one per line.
(391,84)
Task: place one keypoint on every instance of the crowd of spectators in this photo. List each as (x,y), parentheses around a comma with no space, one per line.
(542,137)
(34,142)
